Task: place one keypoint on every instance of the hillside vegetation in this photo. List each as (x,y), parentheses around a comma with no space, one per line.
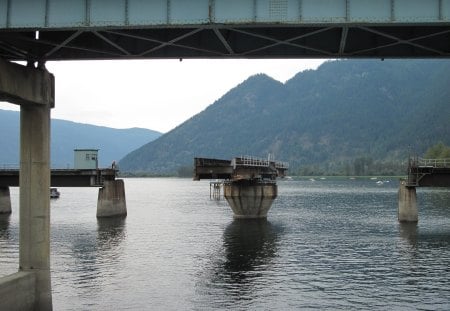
(349,117)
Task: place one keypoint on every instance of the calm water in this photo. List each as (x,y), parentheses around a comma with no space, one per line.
(327,244)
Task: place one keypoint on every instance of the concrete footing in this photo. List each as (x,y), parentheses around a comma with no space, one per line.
(250,199)
(407,203)
(18,291)
(5,201)
(111,199)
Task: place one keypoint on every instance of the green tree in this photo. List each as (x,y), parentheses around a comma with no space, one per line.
(438,151)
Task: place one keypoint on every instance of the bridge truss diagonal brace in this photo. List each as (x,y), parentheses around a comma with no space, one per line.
(23,85)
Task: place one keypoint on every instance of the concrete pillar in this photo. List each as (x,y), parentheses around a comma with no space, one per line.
(250,199)
(5,201)
(34,249)
(407,203)
(111,199)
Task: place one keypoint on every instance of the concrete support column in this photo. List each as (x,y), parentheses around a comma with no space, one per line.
(407,203)
(250,199)
(111,199)
(34,250)
(5,201)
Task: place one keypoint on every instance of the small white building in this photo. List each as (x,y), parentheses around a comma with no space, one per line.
(86,159)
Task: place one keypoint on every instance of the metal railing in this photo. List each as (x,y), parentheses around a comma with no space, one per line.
(258,162)
(432,162)
(251,161)
(419,167)
(282,165)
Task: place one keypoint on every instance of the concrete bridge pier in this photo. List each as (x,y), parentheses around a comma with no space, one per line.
(111,199)
(34,90)
(5,201)
(407,203)
(250,199)
(34,182)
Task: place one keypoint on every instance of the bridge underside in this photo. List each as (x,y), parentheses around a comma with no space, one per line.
(221,41)
(429,177)
(117,29)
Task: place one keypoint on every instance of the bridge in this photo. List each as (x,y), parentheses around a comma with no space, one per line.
(249,187)
(239,168)
(36,31)
(42,30)
(64,177)
(421,173)
(428,172)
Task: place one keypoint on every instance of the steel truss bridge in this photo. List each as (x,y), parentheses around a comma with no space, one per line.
(41,30)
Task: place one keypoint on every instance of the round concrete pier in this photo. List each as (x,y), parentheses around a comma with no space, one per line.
(250,199)
(407,203)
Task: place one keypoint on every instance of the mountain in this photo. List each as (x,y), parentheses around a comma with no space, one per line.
(345,113)
(66,136)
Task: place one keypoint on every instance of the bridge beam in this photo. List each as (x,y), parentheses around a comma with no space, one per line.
(26,85)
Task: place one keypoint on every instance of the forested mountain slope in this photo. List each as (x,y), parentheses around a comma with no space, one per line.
(348,112)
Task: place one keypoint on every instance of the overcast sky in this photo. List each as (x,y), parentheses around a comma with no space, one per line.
(153,94)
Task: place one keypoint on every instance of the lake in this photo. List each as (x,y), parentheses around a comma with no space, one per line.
(326,244)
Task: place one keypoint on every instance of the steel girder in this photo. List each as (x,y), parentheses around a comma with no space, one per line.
(39,30)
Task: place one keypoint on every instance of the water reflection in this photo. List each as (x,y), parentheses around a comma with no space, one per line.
(249,248)
(408,232)
(249,243)
(95,252)
(110,232)
(4,226)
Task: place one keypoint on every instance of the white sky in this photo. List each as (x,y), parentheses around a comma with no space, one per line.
(153,94)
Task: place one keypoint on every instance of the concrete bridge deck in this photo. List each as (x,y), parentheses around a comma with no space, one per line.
(64,177)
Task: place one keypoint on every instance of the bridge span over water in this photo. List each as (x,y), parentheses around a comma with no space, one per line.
(41,30)
(36,31)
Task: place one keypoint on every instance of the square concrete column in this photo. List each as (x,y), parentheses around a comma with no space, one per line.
(34,90)
(34,249)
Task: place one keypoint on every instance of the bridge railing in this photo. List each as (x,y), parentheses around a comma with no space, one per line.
(433,162)
(258,162)
(280,164)
(250,161)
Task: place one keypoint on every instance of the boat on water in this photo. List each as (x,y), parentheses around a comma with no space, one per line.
(54,193)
